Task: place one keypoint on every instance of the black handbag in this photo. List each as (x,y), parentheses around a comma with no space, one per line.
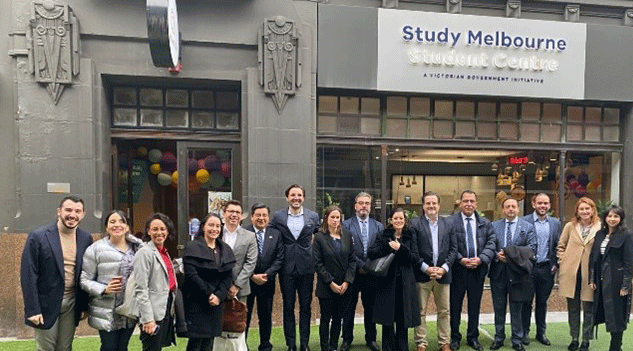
(379,267)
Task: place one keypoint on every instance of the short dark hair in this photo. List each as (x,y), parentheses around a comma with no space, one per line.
(231,202)
(537,195)
(617,210)
(257,206)
(171,231)
(73,198)
(287,192)
(468,192)
(430,193)
(204,221)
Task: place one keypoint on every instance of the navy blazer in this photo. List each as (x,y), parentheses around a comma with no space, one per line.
(374,228)
(486,244)
(298,252)
(523,236)
(554,235)
(272,257)
(330,265)
(42,275)
(447,247)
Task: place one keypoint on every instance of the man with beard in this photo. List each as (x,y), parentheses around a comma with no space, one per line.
(296,278)
(547,231)
(50,271)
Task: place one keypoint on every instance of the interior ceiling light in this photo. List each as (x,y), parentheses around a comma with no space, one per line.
(414,182)
(401,180)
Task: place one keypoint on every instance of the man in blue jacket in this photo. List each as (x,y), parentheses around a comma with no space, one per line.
(50,271)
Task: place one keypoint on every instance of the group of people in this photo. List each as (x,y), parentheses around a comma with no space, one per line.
(64,274)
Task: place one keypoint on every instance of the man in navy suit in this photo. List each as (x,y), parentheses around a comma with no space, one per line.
(437,247)
(509,231)
(475,250)
(269,260)
(364,231)
(297,225)
(50,271)
(547,230)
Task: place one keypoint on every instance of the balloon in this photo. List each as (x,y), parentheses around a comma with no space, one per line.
(201,163)
(174,178)
(154,155)
(168,162)
(225,169)
(217,180)
(202,176)
(164,179)
(141,152)
(211,163)
(192,166)
(155,168)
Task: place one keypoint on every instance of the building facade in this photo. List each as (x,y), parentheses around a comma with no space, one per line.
(508,98)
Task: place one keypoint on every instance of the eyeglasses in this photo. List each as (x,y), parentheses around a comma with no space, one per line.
(363,203)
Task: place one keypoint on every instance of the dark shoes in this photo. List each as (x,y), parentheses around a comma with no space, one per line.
(584,346)
(304,348)
(373,346)
(292,348)
(573,346)
(496,345)
(455,345)
(474,344)
(543,340)
(345,346)
(526,341)
(518,347)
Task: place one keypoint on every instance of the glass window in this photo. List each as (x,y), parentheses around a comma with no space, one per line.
(228,120)
(442,129)
(552,113)
(551,133)
(124,96)
(465,109)
(487,111)
(327,124)
(419,128)
(592,133)
(370,106)
(202,99)
(508,111)
(396,127)
(574,114)
(611,115)
(348,125)
(592,114)
(574,132)
(151,97)
(202,119)
(177,118)
(420,107)
(177,98)
(530,132)
(611,133)
(151,118)
(443,109)
(530,111)
(349,105)
(370,126)
(464,129)
(486,130)
(124,117)
(396,106)
(228,100)
(328,104)
(509,131)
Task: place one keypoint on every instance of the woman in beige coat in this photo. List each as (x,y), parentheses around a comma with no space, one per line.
(574,249)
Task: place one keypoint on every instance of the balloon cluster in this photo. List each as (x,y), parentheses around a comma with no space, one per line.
(583,183)
(210,171)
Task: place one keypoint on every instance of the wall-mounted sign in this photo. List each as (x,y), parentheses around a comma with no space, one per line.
(163,32)
(460,54)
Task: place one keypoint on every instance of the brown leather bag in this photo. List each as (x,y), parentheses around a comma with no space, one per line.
(234,316)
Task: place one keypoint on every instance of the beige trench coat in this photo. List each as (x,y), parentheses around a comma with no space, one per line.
(572,253)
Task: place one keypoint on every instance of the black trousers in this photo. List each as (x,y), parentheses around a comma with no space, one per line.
(331,315)
(165,336)
(200,344)
(115,340)
(292,286)
(464,281)
(264,295)
(542,283)
(616,341)
(365,285)
(396,339)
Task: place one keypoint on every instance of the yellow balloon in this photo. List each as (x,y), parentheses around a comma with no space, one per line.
(174,178)
(155,168)
(202,175)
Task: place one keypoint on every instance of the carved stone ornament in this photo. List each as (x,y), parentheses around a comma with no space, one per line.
(53,46)
(279,59)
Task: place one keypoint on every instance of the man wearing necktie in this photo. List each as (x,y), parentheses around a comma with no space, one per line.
(475,250)
(364,231)
(509,231)
(270,258)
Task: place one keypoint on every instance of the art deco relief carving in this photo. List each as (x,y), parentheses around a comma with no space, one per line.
(53,46)
(279,59)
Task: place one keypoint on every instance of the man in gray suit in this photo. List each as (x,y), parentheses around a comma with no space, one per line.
(364,231)
(509,231)
(244,246)
(547,231)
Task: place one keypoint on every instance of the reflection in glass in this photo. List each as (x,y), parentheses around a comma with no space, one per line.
(124,117)
(151,118)
(177,118)
(509,131)
(327,124)
(370,106)
(420,107)
(202,99)
(370,126)
(151,97)
(124,96)
(396,106)
(202,119)
(348,125)
(328,104)
(177,98)
(396,127)
(228,100)
(228,120)
(349,105)
(419,128)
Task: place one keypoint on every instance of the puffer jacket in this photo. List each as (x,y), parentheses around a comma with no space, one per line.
(101,263)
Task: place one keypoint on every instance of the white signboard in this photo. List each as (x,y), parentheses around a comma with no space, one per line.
(477,55)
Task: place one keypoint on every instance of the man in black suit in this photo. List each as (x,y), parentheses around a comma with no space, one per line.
(50,271)
(509,231)
(270,257)
(437,247)
(364,231)
(297,225)
(547,230)
(475,250)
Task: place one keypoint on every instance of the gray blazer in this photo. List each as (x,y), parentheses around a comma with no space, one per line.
(152,283)
(245,251)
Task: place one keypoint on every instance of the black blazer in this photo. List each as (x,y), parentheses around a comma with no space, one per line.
(42,275)
(447,247)
(330,265)
(554,236)
(486,244)
(298,252)
(272,257)
(374,228)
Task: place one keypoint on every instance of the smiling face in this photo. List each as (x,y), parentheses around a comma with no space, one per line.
(468,204)
(585,212)
(70,214)
(295,198)
(232,215)
(212,229)
(431,206)
(613,219)
(541,205)
(397,220)
(260,218)
(116,226)
(158,232)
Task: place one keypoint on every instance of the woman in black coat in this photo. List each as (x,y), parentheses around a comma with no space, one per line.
(208,266)
(335,266)
(610,269)
(396,296)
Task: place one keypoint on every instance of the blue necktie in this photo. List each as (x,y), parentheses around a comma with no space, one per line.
(509,234)
(363,236)
(260,241)
(469,238)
